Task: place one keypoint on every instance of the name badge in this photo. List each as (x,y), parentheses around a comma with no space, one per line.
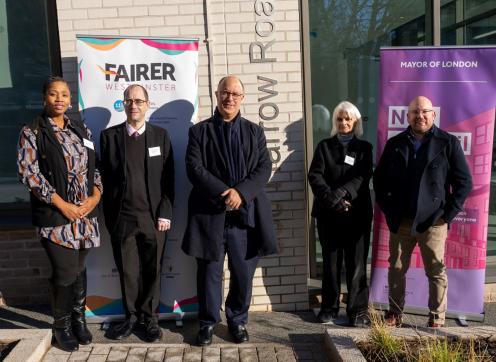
(88,143)
(349,160)
(154,151)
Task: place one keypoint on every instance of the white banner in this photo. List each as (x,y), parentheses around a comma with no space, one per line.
(167,68)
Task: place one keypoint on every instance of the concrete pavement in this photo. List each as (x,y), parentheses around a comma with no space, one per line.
(274,336)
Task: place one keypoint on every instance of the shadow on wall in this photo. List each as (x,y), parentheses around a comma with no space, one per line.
(286,191)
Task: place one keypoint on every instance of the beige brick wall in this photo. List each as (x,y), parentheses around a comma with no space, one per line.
(280,281)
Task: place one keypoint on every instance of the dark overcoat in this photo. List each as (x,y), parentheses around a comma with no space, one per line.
(159,172)
(444,185)
(206,169)
(329,171)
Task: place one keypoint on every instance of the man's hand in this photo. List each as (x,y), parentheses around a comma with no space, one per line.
(163,224)
(232,198)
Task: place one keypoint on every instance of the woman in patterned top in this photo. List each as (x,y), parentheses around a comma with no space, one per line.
(56,161)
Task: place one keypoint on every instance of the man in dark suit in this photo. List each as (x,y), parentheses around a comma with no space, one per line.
(228,164)
(421,183)
(138,175)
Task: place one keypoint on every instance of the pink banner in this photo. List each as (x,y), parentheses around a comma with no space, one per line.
(461,82)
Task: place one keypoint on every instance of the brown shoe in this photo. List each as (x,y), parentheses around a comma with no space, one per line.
(393,319)
(433,323)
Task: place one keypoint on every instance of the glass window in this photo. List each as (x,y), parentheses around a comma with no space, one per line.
(468,22)
(28,56)
(345,38)
(482,32)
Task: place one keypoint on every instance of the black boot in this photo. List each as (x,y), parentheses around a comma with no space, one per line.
(79,327)
(62,297)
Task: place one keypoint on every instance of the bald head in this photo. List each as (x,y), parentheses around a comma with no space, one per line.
(421,115)
(230,78)
(420,100)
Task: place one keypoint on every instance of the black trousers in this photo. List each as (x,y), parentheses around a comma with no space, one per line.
(138,249)
(66,263)
(242,262)
(351,244)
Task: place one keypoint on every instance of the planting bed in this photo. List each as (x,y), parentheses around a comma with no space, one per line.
(423,349)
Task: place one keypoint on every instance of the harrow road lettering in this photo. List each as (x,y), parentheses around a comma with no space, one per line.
(259,53)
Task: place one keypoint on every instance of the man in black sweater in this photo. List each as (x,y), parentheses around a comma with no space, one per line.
(138,171)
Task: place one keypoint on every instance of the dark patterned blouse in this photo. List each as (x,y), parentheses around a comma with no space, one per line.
(82,233)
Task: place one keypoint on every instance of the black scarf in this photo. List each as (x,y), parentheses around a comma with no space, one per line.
(232,152)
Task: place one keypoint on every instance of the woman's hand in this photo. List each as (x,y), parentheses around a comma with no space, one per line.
(90,203)
(70,211)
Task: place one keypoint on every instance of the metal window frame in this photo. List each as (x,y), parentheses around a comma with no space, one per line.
(53,37)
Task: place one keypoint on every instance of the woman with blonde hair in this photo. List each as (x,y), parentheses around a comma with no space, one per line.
(339,176)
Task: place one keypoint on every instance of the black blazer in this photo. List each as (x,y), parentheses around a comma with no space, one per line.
(159,172)
(328,171)
(205,167)
(444,186)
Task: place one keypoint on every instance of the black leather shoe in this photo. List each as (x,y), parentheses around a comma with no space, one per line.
(239,333)
(204,337)
(359,320)
(121,330)
(153,332)
(327,316)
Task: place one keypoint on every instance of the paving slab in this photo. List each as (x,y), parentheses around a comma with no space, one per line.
(32,345)
(155,354)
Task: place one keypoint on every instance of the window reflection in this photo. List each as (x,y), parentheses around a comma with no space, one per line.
(24,65)
(345,38)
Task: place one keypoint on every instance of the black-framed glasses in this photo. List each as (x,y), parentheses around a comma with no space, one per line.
(226,94)
(129,102)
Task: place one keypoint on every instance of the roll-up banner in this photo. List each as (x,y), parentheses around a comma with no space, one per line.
(167,68)
(461,83)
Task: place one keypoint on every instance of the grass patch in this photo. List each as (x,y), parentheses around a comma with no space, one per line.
(383,346)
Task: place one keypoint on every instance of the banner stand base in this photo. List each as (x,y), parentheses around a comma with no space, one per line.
(460,317)
(462,321)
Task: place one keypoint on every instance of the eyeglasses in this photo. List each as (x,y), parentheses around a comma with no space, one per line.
(423,112)
(138,102)
(226,94)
